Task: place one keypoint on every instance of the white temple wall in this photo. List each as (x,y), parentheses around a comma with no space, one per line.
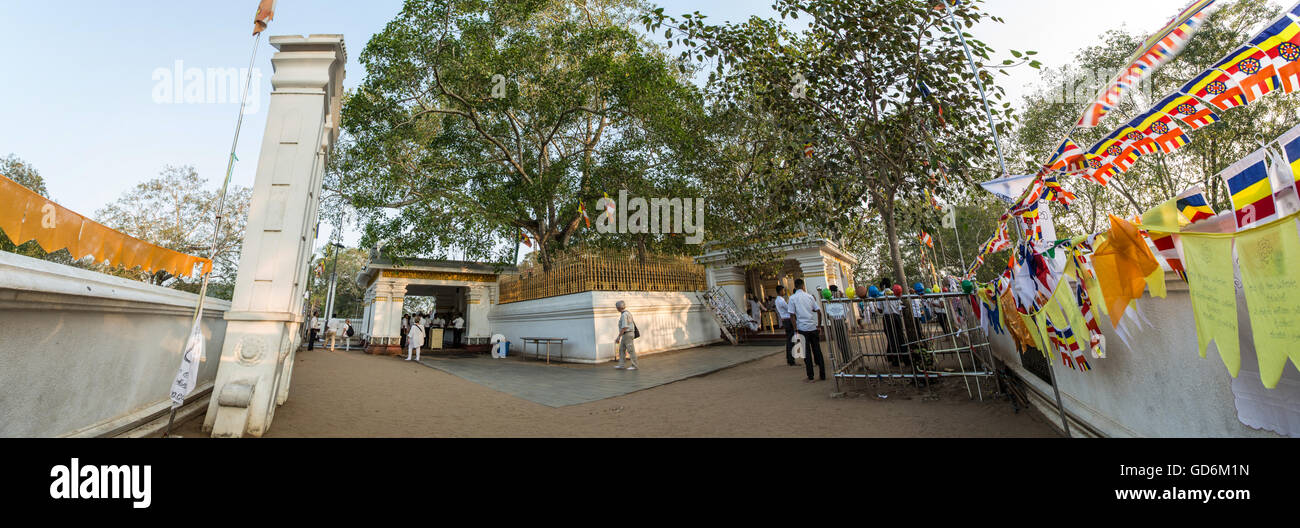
(1159,388)
(87,354)
(667,320)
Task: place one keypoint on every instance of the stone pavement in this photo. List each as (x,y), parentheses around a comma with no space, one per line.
(559,385)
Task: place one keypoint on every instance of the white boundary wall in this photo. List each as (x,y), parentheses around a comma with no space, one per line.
(668,321)
(1161,389)
(87,354)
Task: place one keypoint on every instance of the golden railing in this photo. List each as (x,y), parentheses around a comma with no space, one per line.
(604,272)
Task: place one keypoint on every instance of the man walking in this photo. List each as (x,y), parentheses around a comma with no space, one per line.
(802,308)
(783,312)
(313,330)
(414,339)
(626,339)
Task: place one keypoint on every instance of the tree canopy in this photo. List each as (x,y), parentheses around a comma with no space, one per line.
(480,120)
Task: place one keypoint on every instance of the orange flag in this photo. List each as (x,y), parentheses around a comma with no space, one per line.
(265,13)
(1122,262)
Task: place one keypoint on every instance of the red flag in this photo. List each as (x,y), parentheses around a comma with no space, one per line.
(265,13)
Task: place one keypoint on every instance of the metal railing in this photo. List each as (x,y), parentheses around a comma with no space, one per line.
(916,339)
(604,272)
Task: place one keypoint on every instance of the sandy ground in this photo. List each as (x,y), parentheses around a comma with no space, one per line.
(349,394)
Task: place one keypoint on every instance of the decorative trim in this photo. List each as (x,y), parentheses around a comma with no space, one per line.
(437,275)
(731,283)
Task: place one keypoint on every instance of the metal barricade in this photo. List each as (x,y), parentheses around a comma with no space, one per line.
(917,338)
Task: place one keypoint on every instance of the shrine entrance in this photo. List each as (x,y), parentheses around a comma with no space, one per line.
(449,288)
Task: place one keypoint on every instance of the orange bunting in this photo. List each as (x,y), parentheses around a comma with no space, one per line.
(29,216)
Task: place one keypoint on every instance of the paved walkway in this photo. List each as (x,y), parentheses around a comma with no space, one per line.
(560,385)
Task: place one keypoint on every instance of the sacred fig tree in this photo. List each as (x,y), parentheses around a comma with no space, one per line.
(490,121)
(879,92)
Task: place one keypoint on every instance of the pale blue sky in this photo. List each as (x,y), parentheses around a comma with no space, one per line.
(77,87)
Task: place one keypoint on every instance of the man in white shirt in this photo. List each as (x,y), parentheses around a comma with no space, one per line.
(755,313)
(458,328)
(626,340)
(802,308)
(783,312)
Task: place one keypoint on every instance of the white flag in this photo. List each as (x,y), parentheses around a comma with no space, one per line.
(1009,189)
(189,372)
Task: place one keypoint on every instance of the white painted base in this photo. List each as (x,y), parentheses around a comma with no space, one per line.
(83,353)
(668,321)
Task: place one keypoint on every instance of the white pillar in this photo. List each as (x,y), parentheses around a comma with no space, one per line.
(814,273)
(478,308)
(386,315)
(732,281)
(301,127)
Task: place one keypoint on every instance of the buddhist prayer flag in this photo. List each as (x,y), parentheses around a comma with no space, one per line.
(926,239)
(1252,70)
(1162,130)
(1114,155)
(1162,222)
(1290,146)
(1269,276)
(1192,204)
(1280,41)
(1122,263)
(1213,292)
(1068,156)
(583,209)
(1252,195)
(1055,192)
(1153,53)
(609,208)
(1187,109)
(523,237)
(1218,88)
(265,12)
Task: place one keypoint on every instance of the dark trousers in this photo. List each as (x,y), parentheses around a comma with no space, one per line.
(311,339)
(457,332)
(813,351)
(895,336)
(789,340)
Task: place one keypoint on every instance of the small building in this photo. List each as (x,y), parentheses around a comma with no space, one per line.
(458,287)
(818,261)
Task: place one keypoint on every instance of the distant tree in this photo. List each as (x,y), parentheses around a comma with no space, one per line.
(350,296)
(864,85)
(175,210)
(479,119)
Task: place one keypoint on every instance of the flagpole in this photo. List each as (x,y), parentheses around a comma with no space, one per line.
(221,202)
(971,59)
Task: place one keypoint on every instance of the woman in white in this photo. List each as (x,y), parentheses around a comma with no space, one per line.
(414,339)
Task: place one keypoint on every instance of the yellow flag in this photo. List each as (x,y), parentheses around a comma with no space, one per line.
(1213,291)
(1123,263)
(1270,276)
(1156,283)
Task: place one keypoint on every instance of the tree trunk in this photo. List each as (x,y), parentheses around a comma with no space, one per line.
(891,232)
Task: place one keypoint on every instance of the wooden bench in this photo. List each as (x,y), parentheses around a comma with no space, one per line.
(548,341)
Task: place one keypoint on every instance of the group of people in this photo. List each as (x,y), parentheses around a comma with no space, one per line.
(415,330)
(332,330)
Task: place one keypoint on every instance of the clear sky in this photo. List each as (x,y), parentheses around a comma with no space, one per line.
(78,93)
